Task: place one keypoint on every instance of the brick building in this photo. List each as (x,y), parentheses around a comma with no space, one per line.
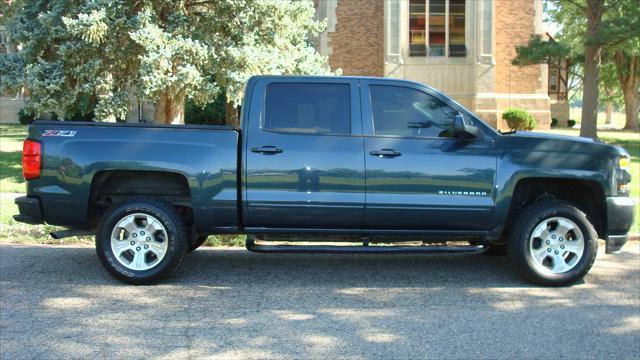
(461,47)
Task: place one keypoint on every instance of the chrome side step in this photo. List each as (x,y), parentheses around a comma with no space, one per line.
(72,232)
(363,249)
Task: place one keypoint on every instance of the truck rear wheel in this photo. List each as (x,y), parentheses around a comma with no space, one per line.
(142,239)
(553,243)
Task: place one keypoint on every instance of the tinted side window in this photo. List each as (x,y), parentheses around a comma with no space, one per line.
(308,108)
(408,112)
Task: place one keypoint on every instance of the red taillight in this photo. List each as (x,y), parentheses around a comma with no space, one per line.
(31,159)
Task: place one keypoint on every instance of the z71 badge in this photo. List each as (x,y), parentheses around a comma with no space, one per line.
(65,133)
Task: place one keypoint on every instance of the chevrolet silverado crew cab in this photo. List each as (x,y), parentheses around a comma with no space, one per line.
(329,159)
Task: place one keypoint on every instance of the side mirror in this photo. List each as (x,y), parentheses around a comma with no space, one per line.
(464,129)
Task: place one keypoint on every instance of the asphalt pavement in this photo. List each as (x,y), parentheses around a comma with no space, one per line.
(58,302)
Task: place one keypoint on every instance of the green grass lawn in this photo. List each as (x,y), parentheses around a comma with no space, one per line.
(618,118)
(11,137)
(7,210)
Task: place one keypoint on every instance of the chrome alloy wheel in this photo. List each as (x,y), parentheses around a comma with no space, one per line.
(556,245)
(139,241)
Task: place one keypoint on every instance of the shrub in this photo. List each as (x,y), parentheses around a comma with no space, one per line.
(518,119)
(48,116)
(554,122)
(212,114)
(571,123)
(81,110)
(25,117)
(78,116)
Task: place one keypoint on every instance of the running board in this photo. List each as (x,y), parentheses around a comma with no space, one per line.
(69,233)
(364,249)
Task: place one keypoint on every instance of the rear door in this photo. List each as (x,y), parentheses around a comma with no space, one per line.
(304,155)
(418,175)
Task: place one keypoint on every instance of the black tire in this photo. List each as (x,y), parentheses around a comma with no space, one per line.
(176,237)
(521,231)
(197,241)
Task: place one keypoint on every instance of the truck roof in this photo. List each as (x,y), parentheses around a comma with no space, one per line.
(309,78)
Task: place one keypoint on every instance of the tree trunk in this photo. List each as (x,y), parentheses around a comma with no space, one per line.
(628,68)
(593,50)
(231,115)
(170,109)
(631,108)
(609,111)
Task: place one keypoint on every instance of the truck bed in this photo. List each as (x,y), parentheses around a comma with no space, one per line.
(77,154)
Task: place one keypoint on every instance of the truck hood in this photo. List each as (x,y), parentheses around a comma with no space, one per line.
(545,136)
(552,143)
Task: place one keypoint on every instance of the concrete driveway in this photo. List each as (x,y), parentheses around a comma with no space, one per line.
(58,302)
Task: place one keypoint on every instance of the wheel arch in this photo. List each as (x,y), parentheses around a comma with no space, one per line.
(586,195)
(111,186)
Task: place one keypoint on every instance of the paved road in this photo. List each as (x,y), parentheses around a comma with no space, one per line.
(57,302)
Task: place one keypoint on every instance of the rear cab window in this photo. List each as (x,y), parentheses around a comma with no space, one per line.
(308,108)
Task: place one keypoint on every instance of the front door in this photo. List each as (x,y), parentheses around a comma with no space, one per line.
(305,159)
(418,175)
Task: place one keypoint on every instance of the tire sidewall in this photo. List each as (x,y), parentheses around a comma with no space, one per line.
(522,250)
(174,247)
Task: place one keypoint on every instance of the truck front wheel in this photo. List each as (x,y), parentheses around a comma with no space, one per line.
(553,243)
(142,239)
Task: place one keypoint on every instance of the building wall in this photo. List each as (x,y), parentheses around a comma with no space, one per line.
(561,111)
(526,86)
(454,76)
(371,38)
(9,108)
(514,26)
(357,44)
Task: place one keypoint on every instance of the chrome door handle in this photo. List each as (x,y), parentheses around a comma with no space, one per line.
(385,153)
(267,150)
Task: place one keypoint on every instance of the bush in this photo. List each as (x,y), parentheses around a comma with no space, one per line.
(554,122)
(78,116)
(571,123)
(212,114)
(25,117)
(518,119)
(81,110)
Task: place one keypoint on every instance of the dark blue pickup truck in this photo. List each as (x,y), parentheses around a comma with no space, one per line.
(329,159)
